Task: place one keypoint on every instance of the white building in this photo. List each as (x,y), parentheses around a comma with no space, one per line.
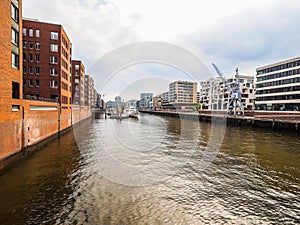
(130,103)
(278,86)
(214,95)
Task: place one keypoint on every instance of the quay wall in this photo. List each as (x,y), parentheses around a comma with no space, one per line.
(276,121)
(40,121)
(34,122)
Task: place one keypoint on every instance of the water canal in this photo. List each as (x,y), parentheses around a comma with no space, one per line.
(138,172)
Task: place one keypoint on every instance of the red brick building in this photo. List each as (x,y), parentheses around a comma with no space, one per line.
(46,62)
(78,73)
(10,76)
(10,38)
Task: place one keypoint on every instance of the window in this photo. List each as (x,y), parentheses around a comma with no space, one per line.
(15,60)
(30,57)
(30,44)
(24,69)
(77,81)
(14,13)
(37,83)
(37,33)
(77,74)
(24,57)
(76,67)
(37,57)
(54,35)
(24,44)
(37,70)
(53,72)
(53,47)
(53,59)
(54,83)
(37,45)
(30,32)
(30,83)
(15,90)
(24,31)
(24,82)
(30,70)
(14,36)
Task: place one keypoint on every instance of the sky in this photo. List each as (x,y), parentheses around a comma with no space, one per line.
(232,33)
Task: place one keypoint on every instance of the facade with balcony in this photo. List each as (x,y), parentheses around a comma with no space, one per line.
(214,94)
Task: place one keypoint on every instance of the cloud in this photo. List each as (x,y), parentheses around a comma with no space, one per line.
(138,78)
(94,27)
(251,38)
(232,33)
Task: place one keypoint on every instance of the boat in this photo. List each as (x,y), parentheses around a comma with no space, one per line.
(131,112)
(119,116)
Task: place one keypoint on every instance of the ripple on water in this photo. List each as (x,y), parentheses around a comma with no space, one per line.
(253,180)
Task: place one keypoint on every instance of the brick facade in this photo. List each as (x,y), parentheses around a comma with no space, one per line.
(10,75)
(46,62)
(24,123)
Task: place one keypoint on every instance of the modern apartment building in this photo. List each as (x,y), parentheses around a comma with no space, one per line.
(198,96)
(157,102)
(278,86)
(46,62)
(78,75)
(118,101)
(214,94)
(183,92)
(210,93)
(130,103)
(11,52)
(165,98)
(110,104)
(146,101)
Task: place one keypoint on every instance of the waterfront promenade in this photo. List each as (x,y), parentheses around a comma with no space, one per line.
(274,120)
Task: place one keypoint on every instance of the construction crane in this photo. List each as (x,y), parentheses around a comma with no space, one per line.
(235,93)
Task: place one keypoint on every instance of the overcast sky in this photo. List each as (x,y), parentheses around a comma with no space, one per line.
(231,33)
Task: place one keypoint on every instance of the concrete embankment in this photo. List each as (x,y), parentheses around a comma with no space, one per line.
(273,120)
(34,123)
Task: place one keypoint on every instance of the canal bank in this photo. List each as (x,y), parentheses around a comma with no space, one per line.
(29,127)
(253,180)
(275,121)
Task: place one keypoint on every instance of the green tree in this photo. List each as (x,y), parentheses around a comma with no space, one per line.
(197,106)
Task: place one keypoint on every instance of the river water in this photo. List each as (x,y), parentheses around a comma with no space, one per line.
(156,170)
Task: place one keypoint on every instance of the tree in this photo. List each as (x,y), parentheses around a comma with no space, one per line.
(197,106)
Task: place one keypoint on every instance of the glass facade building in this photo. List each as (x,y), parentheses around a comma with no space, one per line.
(278,86)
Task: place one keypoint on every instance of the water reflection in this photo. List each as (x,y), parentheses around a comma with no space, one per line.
(35,189)
(254,179)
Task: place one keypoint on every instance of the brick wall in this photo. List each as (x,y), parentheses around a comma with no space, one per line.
(40,121)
